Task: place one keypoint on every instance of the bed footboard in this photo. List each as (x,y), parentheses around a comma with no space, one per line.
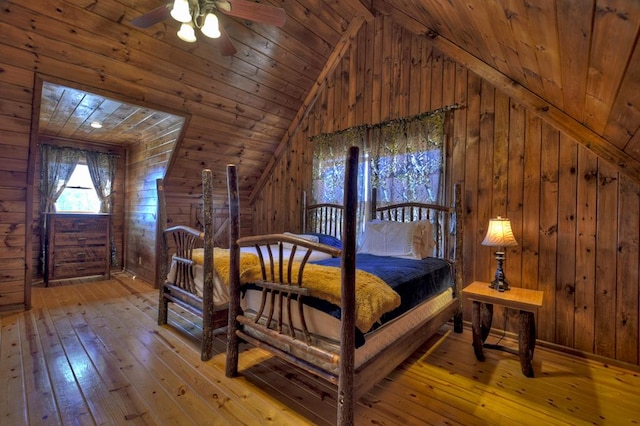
(176,246)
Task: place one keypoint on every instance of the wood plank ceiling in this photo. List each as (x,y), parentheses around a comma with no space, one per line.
(73,114)
(580,57)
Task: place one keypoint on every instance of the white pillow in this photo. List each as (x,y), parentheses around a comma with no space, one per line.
(312,238)
(397,239)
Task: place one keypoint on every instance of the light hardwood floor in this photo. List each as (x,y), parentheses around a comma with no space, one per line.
(91,353)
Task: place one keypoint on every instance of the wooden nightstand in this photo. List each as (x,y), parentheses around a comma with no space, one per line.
(525,300)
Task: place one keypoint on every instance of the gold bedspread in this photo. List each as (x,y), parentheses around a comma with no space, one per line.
(373,296)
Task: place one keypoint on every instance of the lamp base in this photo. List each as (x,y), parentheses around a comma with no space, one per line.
(500,285)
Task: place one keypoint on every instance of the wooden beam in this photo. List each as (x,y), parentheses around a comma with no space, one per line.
(539,106)
(336,56)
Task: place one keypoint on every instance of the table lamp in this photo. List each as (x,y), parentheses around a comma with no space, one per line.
(499,234)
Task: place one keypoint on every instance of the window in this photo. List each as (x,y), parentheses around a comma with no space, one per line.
(80,194)
(403,159)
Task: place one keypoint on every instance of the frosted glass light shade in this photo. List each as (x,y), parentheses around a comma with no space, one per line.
(187,33)
(499,233)
(180,11)
(211,27)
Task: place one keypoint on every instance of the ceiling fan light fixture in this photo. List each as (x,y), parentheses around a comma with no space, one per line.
(211,27)
(180,11)
(187,33)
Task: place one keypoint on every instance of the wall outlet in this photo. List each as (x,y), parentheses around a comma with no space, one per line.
(139,260)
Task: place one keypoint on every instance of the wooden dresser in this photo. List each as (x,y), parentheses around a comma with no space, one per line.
(77,246)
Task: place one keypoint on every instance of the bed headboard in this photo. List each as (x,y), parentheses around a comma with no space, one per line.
(441,217)
(322,218)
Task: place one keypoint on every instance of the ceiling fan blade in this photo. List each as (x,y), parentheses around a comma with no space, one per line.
(224,43)
(153,17)
(253,11)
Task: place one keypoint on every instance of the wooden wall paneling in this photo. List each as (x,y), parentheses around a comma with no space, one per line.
(515,116)
(586,250)
(378,60)
(627,293)
(472,167)
(385,70)
(405,69)
(548,230)
(339,98)
(354,77)
(425,77)
(606,254)
(459,118)
(367,49)
(415,88)
(329,122)
(448,83)
(486,263)
(145,166)
(437,65)
(567,217)
(531,202)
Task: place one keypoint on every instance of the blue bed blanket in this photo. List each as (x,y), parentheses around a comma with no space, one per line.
(414,280)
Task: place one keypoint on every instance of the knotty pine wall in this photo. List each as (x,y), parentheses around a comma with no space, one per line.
(147,161)
(575,217)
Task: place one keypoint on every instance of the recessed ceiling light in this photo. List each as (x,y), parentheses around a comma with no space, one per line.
(96,125)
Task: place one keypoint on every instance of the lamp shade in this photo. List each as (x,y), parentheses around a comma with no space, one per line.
(180,11)
(211,27)
(187,33)
(499,233)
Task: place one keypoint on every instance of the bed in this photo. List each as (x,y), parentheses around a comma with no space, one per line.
(356,351)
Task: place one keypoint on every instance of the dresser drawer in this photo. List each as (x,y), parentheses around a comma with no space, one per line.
(77,246)
(76,224)
(79,239)
(77,269)
(79,254)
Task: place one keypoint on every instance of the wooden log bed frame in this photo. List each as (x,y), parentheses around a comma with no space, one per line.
(271,331)
(176,244)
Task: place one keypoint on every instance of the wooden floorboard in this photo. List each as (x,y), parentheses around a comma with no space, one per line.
(92,353)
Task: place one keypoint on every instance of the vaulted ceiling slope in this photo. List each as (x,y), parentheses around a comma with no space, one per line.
(574,61)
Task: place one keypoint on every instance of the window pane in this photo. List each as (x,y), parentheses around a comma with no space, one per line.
(83,198)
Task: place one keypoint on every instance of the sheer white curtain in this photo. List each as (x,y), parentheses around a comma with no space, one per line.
(403,159)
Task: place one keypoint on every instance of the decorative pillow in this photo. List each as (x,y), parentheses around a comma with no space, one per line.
(397,239)
(308,237)
(328,240)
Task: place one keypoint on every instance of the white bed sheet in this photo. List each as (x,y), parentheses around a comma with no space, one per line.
(323,324)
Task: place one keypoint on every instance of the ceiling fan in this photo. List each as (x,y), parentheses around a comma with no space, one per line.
(202,14)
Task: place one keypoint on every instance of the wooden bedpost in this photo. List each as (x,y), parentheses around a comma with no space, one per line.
(346,394)
(304,212)
(207,290)
(161,252)
(459,249)
(233,341)
(374,204)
